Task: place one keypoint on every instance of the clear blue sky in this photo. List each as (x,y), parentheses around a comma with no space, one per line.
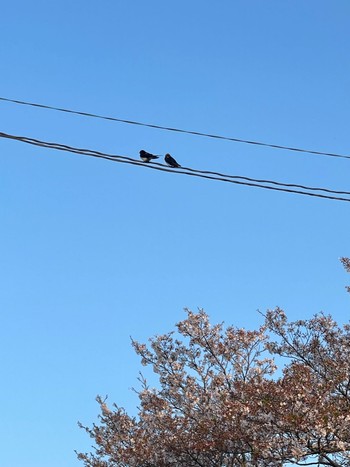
(94,252)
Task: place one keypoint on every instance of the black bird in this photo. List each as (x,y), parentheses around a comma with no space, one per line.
(171,161)
(147,156)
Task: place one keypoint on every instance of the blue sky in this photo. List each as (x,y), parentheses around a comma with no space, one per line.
(94,252)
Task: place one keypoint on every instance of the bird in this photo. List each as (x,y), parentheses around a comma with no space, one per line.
(147,156)
(171,161)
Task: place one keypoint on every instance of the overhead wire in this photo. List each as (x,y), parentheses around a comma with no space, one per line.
(178,130)
(182,170)
(219,174)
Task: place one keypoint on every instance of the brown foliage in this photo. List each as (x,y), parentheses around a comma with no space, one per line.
(219,402)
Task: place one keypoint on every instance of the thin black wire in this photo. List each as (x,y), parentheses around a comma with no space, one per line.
(219,174)
(272,182)
(178,130)
(161,167)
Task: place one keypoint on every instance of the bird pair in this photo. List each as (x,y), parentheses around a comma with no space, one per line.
(147,157)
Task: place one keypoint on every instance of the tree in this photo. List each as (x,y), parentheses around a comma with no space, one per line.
(220,403)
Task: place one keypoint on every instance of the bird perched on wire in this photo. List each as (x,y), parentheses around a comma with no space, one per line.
(147,156)
(171,161)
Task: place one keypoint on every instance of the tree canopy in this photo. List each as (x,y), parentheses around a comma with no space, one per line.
(221,402)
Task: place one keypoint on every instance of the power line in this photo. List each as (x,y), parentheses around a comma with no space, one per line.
(178,130)
(272,182)
(219,174)
(181,170)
